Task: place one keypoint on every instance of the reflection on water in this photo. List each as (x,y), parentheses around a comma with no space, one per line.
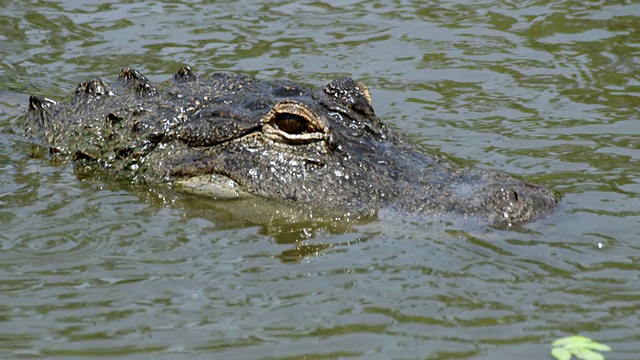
(550,91)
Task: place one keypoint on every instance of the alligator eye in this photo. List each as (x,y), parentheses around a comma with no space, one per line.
(291,123)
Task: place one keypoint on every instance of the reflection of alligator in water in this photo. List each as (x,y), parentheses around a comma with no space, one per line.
(231,134)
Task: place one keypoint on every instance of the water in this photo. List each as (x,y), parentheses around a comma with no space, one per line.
(547,90)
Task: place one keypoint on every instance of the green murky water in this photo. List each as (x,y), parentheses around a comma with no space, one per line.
(549,90)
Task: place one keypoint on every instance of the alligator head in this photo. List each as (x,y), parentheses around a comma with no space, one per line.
(229,134)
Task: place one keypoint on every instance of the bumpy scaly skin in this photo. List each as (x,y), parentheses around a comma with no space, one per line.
(320,147)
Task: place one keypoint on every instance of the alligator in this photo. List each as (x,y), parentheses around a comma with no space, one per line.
(230,134)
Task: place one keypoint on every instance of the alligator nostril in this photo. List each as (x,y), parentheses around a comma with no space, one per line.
(113,119)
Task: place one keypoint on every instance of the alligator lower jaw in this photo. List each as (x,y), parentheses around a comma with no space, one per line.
(214,186)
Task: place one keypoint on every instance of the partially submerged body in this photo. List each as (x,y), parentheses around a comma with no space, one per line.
(229,134)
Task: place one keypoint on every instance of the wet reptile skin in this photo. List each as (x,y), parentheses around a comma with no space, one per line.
(323,148)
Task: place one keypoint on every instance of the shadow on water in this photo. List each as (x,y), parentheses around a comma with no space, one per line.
(303,232)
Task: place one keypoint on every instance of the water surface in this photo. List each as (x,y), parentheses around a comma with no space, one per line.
(546,90)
